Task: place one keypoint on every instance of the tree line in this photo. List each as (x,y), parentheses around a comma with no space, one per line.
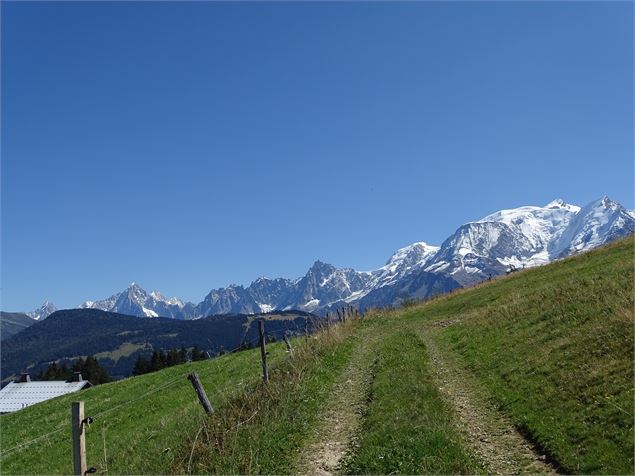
(161,360)
(89,367)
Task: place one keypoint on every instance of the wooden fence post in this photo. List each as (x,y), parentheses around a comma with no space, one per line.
(79,438)
(286,341)
(200,391)
(263,352)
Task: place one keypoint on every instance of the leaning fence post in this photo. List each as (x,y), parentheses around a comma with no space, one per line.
(200,391)
(263,352)
(286,341)
(79,438)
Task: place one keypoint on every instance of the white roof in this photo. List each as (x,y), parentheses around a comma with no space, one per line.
(16,396)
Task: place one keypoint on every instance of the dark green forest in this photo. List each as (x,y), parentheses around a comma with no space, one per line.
(89,368)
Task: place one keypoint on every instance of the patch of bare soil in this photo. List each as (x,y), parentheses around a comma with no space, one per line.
(492,436)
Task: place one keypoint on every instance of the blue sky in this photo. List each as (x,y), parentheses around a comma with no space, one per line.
(190,146)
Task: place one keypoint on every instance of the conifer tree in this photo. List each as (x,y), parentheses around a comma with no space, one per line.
(141,366)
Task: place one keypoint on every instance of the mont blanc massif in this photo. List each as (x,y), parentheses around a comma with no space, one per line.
(516,238)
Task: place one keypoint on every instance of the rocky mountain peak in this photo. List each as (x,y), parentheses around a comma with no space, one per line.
(321,269)
(609,204)
(45,310)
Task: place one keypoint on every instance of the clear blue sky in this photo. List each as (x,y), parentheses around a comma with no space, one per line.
(190,146)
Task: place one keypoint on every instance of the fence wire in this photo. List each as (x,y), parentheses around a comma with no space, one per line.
(164,386)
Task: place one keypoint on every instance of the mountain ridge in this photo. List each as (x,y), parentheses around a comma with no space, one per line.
(510,238)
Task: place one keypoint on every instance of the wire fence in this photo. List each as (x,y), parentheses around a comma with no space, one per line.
(163,386)
(215,363)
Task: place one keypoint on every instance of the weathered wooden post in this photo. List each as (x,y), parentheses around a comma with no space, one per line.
(263,351)
(200,391)
(286,341)
(79,438)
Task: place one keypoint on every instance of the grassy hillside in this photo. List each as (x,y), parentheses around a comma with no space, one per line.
(554,348)
(261,430)
(139,422)
(498,378)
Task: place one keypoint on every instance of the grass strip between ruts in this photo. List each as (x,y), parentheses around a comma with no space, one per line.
(408,428)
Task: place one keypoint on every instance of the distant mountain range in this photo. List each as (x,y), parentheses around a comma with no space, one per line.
(520,237)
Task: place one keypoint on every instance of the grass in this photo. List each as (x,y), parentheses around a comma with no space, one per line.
(124,350)
(262,430)
(139,422)
(409,428)
(553,346)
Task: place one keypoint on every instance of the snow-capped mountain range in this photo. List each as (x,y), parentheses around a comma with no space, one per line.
(135,301)
(521,237)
